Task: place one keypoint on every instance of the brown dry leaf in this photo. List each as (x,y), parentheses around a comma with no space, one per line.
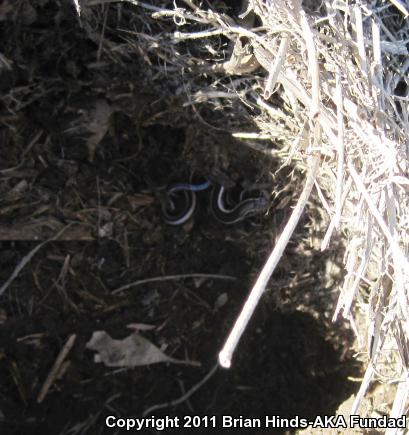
(131,351)
(98,123)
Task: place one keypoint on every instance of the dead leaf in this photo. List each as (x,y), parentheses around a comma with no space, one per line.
(220,301)
(131,351)
(93,121)
(98,124)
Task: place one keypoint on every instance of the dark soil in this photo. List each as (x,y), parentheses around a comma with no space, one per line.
(88,142)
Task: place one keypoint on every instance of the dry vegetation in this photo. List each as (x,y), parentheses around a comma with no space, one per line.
(322,87)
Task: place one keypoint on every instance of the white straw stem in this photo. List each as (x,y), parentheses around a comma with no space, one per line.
(257,291)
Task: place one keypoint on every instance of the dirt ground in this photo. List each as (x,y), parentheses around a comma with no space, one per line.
(89,141)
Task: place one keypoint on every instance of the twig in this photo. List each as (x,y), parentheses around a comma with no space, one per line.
(158,11)
(370,371)
(185,396)
(349,299)
(360,39)
(375,212)
(399,403)
(397,265)
(77,7)
(25,152)
(27,258)
(276,67)
(173,277)
(179,36)
(377,79)
(102,36)
(331,226)
(133,2)
(341,148)
(56,367)
(401,7)
(249,135)
(257,291)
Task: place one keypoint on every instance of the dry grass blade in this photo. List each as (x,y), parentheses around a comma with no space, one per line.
(54,372)
(257,291)
(77,7)
(276,67)
(399,404)
(363,389)
(401,7)
(172,278)
(184,396)
(27,258)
